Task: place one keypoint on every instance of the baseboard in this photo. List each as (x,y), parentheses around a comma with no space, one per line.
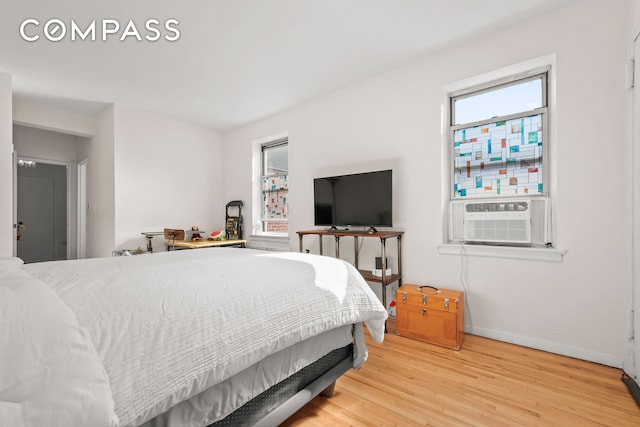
(551,347)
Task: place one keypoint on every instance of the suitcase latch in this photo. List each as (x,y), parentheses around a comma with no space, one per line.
(446,304)
(424,299)
(404,296)
(424,312)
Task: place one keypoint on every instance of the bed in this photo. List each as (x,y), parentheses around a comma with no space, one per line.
(207,337)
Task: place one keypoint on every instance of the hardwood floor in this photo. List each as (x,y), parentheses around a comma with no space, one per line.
(487,383)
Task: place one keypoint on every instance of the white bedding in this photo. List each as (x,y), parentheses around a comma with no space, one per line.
(170,325)
(50,373)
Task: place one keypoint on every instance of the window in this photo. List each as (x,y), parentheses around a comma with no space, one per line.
(499,174)
(275,186)
(498,135)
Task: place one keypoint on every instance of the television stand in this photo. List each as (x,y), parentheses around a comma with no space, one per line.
(384,279)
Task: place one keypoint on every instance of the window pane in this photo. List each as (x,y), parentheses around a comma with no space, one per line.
(275,188)
(513,99)
(276,160)
(501,158)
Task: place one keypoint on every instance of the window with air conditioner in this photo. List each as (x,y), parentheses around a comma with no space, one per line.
(498,137)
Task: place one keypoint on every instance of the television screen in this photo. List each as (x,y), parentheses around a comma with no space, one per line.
(363,199)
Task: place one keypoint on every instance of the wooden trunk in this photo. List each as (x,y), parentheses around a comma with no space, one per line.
(427,314)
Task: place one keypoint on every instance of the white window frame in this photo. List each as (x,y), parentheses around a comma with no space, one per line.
(257,220)
(478,83)
(496,85)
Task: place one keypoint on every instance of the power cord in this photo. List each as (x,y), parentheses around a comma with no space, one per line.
(464,284)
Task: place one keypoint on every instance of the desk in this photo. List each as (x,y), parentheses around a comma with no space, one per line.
(197,244)
(384,279)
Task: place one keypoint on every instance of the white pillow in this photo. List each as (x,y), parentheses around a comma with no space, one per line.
(50,372)
(10,265)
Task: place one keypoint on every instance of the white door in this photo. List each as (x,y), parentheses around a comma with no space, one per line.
(42,213)
(632,359)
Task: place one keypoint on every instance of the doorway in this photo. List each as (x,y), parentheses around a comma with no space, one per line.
(42,210)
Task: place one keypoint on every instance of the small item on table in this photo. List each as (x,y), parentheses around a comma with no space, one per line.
(196,234)
(216,235)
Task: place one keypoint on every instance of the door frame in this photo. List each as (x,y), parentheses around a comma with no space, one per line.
(14,191)
(83,207)
(631,363)
(68,166)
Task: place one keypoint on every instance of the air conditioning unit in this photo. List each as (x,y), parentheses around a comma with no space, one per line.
(523,221)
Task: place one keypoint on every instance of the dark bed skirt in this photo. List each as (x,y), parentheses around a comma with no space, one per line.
(282,400)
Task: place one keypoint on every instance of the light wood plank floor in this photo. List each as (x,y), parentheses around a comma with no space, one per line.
(487,383)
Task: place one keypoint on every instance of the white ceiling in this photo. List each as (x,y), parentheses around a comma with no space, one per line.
(236,61)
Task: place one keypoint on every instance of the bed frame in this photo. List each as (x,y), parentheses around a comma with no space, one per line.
(275,405)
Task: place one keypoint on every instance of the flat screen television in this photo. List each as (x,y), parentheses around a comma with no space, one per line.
(363,199)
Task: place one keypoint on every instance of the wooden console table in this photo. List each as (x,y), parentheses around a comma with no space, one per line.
(384,279)
(197,244)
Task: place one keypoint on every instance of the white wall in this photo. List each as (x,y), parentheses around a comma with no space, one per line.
(7,234)
(168,174)
(32,114)
(58,147)
(98,150)
(575,307)
(634,17)
(32,142)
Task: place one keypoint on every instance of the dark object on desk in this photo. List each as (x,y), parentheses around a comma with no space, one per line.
(195,233)
(379,262)
(233,227)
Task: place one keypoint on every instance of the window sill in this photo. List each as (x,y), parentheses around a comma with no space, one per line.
(509,252)
(269,242)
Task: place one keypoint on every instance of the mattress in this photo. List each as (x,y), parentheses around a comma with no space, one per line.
(224,398)
(169,326)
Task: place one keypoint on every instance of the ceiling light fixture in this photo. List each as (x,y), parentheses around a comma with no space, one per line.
(27,163)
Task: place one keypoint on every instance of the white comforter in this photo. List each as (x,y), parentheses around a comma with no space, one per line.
(167,326)
(50,373)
